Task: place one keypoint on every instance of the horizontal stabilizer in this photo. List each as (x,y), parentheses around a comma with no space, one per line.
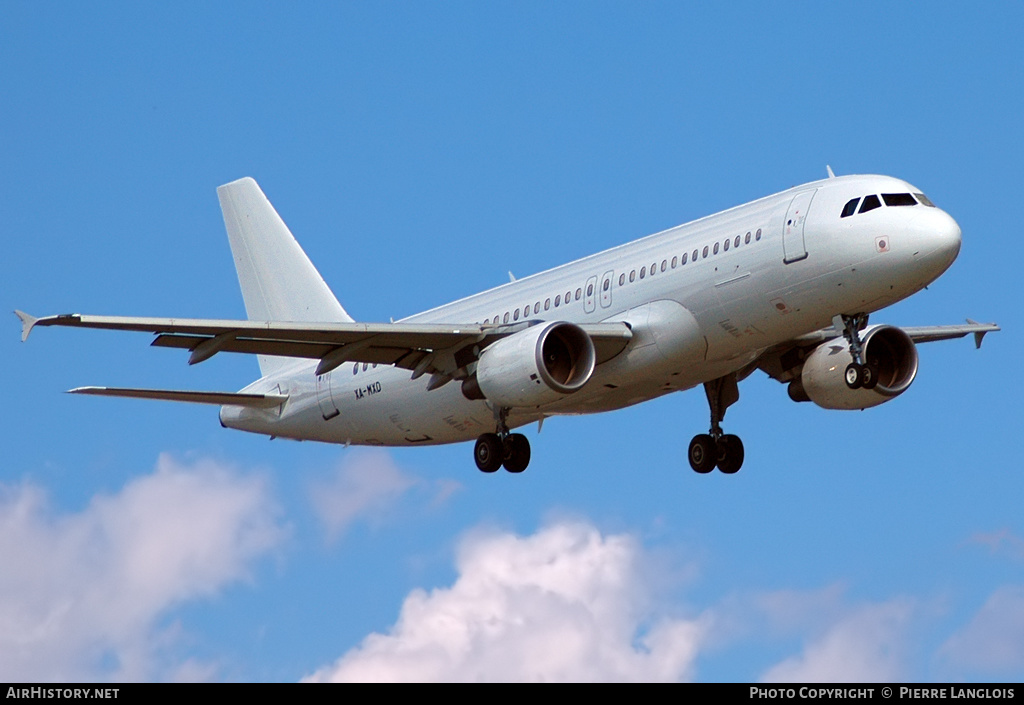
(255,401)
(27,323)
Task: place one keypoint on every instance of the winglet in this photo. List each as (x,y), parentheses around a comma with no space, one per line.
(27,323)
(979,335)
(831,174)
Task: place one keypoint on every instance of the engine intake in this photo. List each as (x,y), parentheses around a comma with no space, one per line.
(535,366)
(887,349)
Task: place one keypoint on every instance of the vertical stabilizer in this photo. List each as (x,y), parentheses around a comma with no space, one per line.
(278,281)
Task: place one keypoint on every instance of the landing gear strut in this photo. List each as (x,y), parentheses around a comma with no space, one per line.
(493,450)
(860,373)
(715,448)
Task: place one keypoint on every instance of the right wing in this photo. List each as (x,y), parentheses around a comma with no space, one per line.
(426,347)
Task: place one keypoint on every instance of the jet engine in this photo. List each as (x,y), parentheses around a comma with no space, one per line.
(532,367)
(888,350)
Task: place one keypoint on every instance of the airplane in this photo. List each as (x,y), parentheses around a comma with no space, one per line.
(784,284)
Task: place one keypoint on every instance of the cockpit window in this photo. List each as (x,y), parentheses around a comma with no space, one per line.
(850,208)
(870,203)
(898,199)
(924,200)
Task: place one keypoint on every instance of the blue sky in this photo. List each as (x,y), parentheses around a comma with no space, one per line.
(419,152)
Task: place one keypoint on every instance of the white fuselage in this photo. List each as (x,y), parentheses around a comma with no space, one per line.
(764,273)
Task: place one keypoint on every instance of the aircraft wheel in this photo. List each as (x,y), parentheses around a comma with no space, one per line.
(702,453)
(854,376)
(488,452)
(730,454)
(870,378)
(518,453)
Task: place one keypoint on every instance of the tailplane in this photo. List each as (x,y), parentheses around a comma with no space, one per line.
(278,281)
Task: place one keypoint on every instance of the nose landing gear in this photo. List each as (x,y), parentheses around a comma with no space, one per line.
(492,450)
(708,450)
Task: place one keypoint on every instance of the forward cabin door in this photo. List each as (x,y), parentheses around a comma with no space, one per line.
(793,227)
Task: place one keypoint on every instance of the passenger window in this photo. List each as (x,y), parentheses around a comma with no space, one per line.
(715,251)
(675,260)
(746,239)
(898,199)
(568,297)
(558,300)
(757,235)
(579,293)
(365,366)
(622,279)
(536,307)
(737,243)
(547,303)
(355,368)
(506,316)
(685,255)
(643,272)
(870,203)
(654,268)
(515,315)
(725,245)
(632,276)
(607,285)
(590,289)
(664,264)
(850,208)
(694,258)
(705,252)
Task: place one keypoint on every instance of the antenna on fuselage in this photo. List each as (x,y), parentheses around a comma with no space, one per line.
(831,175)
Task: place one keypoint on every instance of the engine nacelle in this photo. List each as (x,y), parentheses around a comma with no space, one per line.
(887,349)
(535,366)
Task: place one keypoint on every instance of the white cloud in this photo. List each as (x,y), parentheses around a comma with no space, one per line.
(566,603)
(81,594)
(868,644)
(993,641)
(366,485)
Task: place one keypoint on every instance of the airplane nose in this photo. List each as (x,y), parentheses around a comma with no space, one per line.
(947,237)
(939,238)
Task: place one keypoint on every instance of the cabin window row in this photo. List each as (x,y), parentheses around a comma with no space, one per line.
(676,261)
(698,253)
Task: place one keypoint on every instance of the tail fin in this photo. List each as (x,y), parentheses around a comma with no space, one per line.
(278,281)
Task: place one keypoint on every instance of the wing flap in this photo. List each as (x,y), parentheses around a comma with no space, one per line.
(255,401)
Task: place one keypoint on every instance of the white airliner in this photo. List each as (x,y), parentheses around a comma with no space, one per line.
(783,284)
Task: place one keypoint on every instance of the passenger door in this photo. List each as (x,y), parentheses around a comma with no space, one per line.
(793,227)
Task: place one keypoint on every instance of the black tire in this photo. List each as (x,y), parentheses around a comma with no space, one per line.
(854,376)
(730,454)
(518,454)
(870,378)
(488,452)
(702,453)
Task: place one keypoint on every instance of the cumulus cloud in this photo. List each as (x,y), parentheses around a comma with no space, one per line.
(866,645)
(566,603)
(81,594)
(367,485)
(993,641)
(1001,542)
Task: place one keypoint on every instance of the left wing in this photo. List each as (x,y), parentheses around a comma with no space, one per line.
(779,361)
(428,347)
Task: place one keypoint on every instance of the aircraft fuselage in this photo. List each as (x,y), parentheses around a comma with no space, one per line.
(703,300)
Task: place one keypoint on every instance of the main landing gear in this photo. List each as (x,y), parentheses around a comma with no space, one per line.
(708,450)
(859,374)
(493,450)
